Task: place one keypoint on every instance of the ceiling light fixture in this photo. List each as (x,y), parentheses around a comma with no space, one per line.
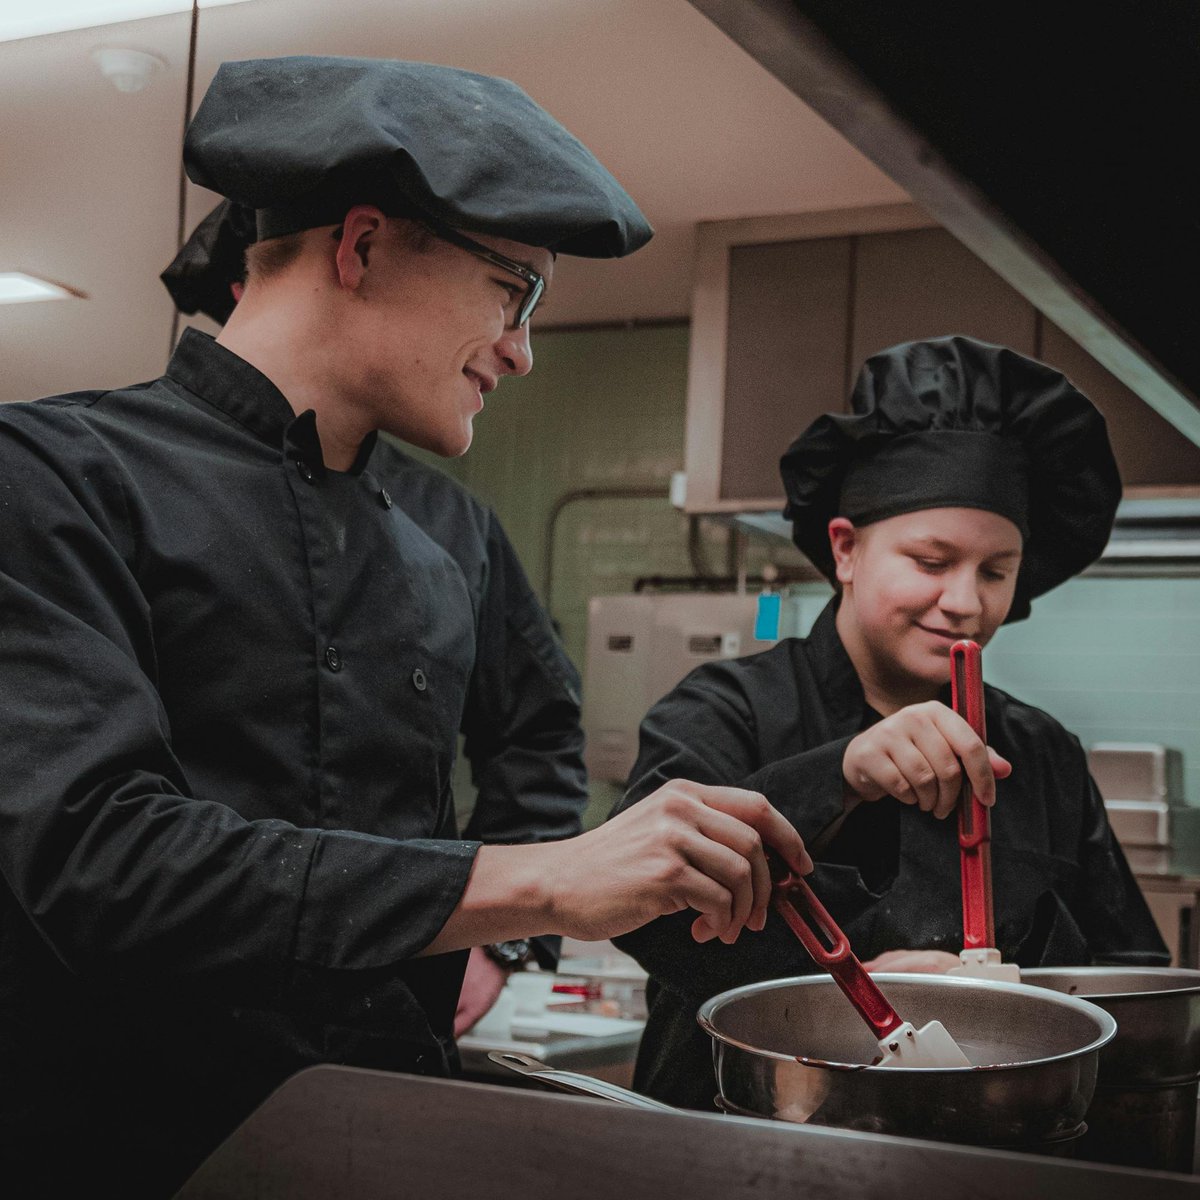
(19,288)
(21,19)
(128,70)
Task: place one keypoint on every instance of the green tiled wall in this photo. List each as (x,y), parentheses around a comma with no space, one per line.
(601,410)
(1115,660)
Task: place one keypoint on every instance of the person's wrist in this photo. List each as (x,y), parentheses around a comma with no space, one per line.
(553,899)
(513,891)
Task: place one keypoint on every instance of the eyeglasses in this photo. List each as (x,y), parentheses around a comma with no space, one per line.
(535,284)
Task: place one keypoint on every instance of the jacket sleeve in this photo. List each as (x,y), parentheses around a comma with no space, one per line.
(704,731)
(126,876)
(522,720)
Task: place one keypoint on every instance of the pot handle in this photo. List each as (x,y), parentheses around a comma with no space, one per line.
(974,819)
(573,1082)
(838,959)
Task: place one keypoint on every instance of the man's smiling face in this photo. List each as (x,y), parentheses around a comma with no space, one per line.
(434,333)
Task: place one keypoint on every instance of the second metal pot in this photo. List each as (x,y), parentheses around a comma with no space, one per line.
(1157,1010)
(1144,1111)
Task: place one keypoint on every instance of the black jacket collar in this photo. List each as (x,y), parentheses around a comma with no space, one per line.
(243,393)
(845,703)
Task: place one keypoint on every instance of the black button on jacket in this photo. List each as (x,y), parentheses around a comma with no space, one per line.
(226,824)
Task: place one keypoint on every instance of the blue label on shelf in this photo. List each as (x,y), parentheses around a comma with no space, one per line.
(766,621)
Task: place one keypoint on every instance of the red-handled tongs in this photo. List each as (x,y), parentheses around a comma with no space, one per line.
(979,956)
(900,1044)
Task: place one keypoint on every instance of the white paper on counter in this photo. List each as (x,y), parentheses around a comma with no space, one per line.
(576,1024)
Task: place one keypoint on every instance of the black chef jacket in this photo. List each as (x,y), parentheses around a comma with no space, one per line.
(521,727)
(232,683)
(779,723)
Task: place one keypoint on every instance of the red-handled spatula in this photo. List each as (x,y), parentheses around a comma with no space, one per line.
(900,1043)
(979,958)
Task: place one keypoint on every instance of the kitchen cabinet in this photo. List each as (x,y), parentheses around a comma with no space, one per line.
(1169,877)
(921,283)
(1173,904)
(786,365)
(786,309)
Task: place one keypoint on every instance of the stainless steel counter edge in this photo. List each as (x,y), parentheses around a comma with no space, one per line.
(334,1132)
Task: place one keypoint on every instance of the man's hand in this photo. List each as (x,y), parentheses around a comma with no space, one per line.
(920,962)
(918,755)
(482,984)
(686,845)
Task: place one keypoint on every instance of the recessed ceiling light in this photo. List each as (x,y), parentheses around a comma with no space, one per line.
(22,19)
(18,288)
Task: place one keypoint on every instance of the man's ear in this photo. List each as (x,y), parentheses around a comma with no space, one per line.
(360,231)
(843,539)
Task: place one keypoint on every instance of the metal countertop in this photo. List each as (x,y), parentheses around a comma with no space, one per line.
(333,1132)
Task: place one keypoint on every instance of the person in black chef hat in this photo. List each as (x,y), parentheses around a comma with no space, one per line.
(966,481)
(235,667)
(208,274)
(522,735)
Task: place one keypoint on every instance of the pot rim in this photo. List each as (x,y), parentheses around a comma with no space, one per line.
(1105,1020)
(1173,972)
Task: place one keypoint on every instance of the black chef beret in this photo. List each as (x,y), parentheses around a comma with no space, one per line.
(957,423)
(303,139)
(211,261)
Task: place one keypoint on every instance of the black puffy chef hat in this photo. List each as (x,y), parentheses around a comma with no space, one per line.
(201,275)
(957,423)
(301,140)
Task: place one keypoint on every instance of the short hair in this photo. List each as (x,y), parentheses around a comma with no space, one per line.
(269,258)
(266,260)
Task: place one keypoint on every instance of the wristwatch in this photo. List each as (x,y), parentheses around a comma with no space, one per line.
(511,955)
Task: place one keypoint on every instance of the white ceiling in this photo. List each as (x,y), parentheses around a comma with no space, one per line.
(693,127)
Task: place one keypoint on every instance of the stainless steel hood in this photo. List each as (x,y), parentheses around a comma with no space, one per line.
(1056,142)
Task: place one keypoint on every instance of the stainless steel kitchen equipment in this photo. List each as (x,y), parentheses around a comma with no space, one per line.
(1141,783)
(790,1049)
(574,1083)
(1144,1110)
(639,647)
(371,1135)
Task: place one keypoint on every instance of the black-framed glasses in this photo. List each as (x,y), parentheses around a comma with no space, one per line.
(535,284)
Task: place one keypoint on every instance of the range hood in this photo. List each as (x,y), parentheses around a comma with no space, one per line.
(1056,144)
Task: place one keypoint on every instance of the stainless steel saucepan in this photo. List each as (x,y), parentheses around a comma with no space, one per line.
(793,1050)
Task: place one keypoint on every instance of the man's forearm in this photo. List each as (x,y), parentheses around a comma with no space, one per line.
(688,846)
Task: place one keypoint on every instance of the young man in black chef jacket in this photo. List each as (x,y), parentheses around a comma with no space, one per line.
(521,717)
(234,668)
(966,481)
